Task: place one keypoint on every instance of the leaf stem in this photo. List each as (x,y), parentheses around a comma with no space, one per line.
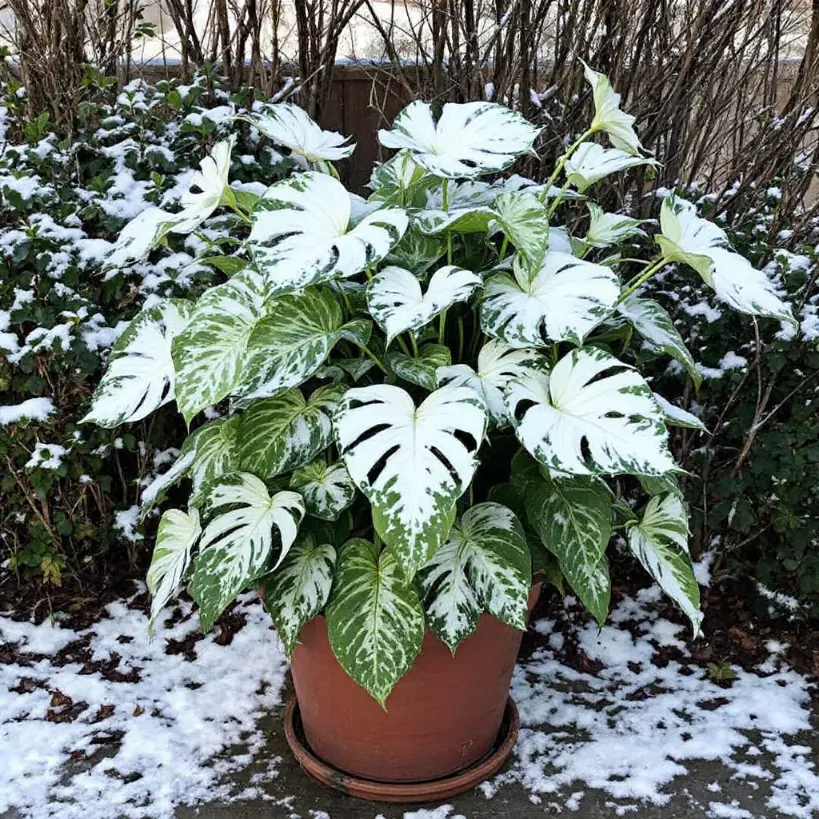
(562,161)
(557,200)
(638,281)
(374,358)
(414,345)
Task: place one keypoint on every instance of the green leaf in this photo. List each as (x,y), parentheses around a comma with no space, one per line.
(282,433)
(573,519)
(176,536)
(375,619)
(421,370)
(484,566)
(210,354)
(237,543)
(660,541)
(659,334)
(288,346)
(229,265)
(412,463)
(523,218)
(298,590)
(417,251)
(140,375)
(327,490)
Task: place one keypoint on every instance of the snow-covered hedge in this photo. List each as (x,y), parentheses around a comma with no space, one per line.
(69,492)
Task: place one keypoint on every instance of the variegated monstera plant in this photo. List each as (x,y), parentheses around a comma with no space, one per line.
(413,399)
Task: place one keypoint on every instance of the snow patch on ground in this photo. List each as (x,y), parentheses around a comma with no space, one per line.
(168,719)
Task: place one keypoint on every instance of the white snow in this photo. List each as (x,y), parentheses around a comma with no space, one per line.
(177,717)
(34,409)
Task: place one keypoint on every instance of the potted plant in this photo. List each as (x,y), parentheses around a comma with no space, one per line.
(413,402)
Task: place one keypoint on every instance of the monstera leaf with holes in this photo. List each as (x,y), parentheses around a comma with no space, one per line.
(301,234)
(238,542)
(141,375)
(564,301)
(412,462)
(592,415)
(484,566)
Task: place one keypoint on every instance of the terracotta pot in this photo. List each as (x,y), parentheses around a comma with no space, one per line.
(443,715)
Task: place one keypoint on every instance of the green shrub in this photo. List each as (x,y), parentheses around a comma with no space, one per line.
(67,491)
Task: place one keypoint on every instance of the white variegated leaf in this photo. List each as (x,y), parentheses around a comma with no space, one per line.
(397,303)
(412,463)
(176,536)
(285,432)
(327,489)
(210,354)
(400,181)
(563,301)
(573,519)
(592,415)
(607,114)
(677,416)
(140,375)
(592,162)
(470,139)
(498,364)
(302,235)
(298,590)
(237,544)
(375,620)
(288,346)
(136,240)
(421,370)
(469,219)
(289,126)
(606,229)
(660,541)
(524,220)
(659,334)
(691,240)
(484,566)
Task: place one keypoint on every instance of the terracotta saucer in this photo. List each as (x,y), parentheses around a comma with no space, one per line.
(432,791)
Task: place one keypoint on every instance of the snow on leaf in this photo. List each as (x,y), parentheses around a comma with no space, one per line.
(677,416)
(592,415)
(421,370)
(660,541)
(606,229)
(237,543)
(592,162)
(396,302)
(299,588)
(136,240)
(607,114)
(691,240)
(412,463)
(470,139)
(375,620)
(498,364)
(327,489)
(484,566)
(573,520)
(285,432)
(657,329)
(563,301)
(290,127)
(293,341)
(140,375)
(176,536)
(301,234)
(210,354)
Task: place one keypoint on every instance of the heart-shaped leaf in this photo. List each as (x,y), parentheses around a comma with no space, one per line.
(397,303)
(327,490)
(484,566)
(284,432)
(524,220)
(298,590)
(563,301)
(412,463)
(302,235)
(237,543)
(140,375)
(660,541)
(421,370)
(374,618)
(591,415)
